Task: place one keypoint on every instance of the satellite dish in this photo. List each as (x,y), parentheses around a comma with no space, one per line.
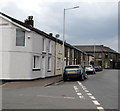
(57,35)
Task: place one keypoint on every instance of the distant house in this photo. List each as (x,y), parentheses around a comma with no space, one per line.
(29,53)
(104,56)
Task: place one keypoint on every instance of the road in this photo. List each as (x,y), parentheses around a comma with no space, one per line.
(100,92)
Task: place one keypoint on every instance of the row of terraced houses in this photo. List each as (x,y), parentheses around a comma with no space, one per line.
(29,53)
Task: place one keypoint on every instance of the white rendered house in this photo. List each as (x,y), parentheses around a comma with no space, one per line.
(25,52)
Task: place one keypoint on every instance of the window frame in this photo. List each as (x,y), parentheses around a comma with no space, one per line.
(49,64)
(21,31)
(43,44)
(36,63)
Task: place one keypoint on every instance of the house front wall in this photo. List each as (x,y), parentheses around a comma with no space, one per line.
(17,61)
(58,59)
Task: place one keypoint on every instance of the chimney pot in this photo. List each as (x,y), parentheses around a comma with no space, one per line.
(51,34)
(29,21)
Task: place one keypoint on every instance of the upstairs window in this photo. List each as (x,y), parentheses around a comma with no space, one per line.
(43,45)
(49,46)
(106,56)
(20,37)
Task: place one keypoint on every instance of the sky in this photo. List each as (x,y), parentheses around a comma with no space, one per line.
(95,22)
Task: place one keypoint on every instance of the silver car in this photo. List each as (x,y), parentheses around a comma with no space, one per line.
(89,69)
(74,71)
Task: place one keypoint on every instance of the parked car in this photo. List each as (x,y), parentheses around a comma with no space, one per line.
(74,71)
(89,69)
(98,68)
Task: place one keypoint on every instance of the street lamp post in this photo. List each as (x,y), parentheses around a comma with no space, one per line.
(94,56)
(64,31)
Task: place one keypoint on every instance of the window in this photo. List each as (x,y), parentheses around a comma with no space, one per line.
(100,56)
(43,46)
(106,56)
(20,37)
(58,63)
(83,57)
(49,63)
(36,62)
(49,46)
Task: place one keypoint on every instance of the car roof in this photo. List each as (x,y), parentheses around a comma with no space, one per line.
(73,65)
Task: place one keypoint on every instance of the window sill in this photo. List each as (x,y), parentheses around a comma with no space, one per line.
(43,52)
(49,53)
(58,69)
(59,52)
(36,69)
(49,71)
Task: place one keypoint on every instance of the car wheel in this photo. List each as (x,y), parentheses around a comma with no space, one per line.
(64,78)
(82,77)
(86,76)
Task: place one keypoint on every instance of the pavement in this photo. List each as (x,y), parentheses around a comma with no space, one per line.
(42,82)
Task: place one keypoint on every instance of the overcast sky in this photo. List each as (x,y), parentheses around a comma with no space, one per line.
(94,22)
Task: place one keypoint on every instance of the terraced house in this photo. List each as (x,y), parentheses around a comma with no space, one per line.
(29,53)
(104,56)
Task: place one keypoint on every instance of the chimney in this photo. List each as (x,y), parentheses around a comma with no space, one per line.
(29,21)
(51,34)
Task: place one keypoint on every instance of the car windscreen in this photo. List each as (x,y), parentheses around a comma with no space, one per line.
(69,67)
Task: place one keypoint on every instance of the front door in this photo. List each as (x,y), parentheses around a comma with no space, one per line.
(43,66)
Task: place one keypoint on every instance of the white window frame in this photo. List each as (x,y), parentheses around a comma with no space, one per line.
(49,46)
(17,38)
(49,63)
(43,45)
(58,63)
(36,62)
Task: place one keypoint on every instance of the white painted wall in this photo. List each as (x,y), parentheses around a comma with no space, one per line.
(59,62)
(17,61)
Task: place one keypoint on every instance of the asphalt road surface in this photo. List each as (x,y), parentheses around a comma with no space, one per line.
(99,92)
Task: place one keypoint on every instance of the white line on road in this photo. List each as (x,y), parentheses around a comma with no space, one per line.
(86,91)
(76,89)
(56,97)
(81,97)
(92,97)
(100,108)
(89,94)
(3,85)
(79,94)
(96,102)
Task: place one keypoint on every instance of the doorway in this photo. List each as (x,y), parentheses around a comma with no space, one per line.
(43,66)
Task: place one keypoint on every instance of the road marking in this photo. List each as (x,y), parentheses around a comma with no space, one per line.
(79,83)
(89,94)
(79,94)
(3,85)
(56,97)
(100,108)
(81,97)
(84,88)
(76,89)
(86,91)
(69,97)
(92,97)
(96,102)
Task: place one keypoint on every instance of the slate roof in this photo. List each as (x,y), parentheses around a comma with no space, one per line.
(97,48)
(40,32)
